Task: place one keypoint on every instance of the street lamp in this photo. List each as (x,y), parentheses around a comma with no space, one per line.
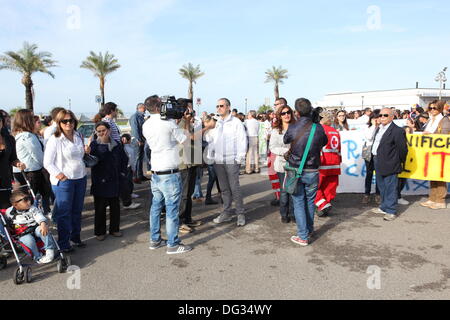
(246,105)
(362,102)
(441,78)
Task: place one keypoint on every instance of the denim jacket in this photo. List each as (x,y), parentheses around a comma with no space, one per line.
(29,151)
(136,122)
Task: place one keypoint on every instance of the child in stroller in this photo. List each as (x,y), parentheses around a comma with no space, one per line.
(30,227)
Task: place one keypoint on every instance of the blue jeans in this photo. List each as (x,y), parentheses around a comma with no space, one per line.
(198,183)
(166,190)
(304,206)
(388,186)
(30,241)
(69,201)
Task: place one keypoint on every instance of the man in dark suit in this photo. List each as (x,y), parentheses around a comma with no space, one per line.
(390,151)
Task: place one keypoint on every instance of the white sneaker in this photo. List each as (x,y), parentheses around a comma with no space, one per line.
(132,206)
(49,256)
(378,210)
(403,202)
(134,196)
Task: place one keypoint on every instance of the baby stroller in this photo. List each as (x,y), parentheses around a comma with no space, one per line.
(23,272)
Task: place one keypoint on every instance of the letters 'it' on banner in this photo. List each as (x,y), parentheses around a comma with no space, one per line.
(428,157)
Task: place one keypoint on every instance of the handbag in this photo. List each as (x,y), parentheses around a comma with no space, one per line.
(367,150)
(90,160)
(293,174)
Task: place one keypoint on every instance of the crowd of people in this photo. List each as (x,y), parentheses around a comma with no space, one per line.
(301,145)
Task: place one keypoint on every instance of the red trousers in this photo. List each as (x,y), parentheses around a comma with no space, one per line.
(273,177)
(326,191)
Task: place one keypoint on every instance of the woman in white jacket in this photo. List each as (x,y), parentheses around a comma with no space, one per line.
(285,117)
(30,151)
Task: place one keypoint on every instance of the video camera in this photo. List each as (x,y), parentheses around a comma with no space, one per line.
(172,108)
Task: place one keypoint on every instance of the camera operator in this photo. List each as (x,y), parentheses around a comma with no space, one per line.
(188,167)
(163,137)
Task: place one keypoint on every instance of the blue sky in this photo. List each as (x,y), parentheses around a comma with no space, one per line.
(327,46)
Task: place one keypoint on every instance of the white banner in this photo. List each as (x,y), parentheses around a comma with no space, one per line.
(359,124)
(352,179)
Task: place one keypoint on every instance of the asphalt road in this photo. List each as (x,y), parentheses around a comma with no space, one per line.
(408,258)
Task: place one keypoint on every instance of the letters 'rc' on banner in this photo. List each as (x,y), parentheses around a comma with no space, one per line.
(428,157)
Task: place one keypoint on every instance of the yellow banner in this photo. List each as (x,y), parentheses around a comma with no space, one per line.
(428,157)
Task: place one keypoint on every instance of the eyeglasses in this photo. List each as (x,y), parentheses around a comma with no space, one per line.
(220,106)
(385,115)
(67,121)
(432,108)
(27,198)
(285,113)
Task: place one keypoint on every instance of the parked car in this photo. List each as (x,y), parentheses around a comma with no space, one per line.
(87,129)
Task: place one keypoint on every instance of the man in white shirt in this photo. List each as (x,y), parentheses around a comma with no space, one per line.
(252,160)
(163,137)
(229,147)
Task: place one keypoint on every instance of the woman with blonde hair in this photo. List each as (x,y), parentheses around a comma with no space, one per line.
(30,150)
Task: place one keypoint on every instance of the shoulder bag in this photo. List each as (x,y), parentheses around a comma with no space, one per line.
(293,174)
(367,150)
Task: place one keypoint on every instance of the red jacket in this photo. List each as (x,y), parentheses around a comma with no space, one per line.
(330,156)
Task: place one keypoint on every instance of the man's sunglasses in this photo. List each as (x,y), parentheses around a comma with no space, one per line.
(220,106)
(67,121)
(27,198)
(385,115)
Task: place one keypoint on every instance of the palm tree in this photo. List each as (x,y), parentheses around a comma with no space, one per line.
(13,111)
(191,73)
(28,61)
(276,75)
(101,66)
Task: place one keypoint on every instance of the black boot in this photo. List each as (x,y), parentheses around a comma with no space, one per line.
(275,203)
(285,220)
(210,201)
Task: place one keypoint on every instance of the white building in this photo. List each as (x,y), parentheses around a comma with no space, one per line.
(402,99)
